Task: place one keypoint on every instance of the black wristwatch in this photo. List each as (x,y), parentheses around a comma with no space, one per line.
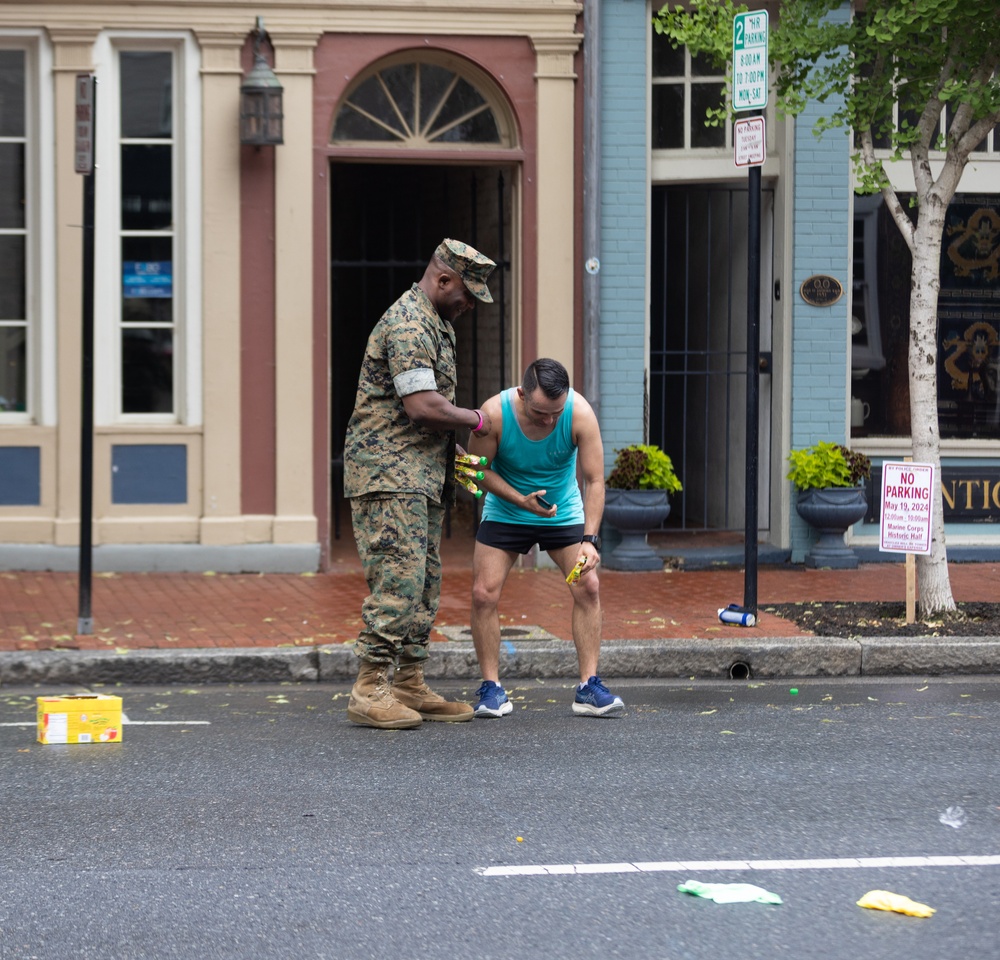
(592,538)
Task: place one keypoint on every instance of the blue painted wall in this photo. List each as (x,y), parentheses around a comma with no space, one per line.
(822,234)
(625,197)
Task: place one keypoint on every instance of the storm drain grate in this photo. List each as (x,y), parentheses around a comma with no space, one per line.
(524,632)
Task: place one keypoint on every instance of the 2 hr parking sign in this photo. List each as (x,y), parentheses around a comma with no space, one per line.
(750,60)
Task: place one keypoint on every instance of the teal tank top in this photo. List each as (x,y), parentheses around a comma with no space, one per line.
(529,465)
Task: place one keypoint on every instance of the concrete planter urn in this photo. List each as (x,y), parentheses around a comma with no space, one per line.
(633,513)
(830,511)
(828,476)
(635,502)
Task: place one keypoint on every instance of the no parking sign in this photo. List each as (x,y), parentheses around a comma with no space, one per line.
(907,496)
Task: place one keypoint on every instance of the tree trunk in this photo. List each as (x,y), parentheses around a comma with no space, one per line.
(933,581)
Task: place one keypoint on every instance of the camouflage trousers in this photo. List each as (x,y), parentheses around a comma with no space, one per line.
(399,542)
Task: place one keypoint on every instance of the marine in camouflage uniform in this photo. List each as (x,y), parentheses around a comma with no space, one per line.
(398,474)
(395,475)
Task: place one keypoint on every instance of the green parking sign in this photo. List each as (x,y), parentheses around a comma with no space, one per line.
(750,60)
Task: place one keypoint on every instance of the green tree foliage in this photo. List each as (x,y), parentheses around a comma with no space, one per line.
(938,61)
(922,54)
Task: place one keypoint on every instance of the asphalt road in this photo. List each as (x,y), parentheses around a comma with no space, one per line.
(256,822)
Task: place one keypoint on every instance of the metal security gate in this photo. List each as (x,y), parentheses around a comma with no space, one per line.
(698,342)
(385,221)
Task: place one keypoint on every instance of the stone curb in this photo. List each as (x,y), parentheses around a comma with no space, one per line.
(715,659)
(887,656)
(215,665)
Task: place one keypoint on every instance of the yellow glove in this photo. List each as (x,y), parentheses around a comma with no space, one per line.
(896,902)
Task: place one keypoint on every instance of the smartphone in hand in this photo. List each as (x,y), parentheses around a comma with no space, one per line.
(542,502)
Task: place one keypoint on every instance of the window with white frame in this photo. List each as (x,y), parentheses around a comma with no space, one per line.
(14,226)
(987,148)
(419,99)
(968,307)
(684,87)
(147,230)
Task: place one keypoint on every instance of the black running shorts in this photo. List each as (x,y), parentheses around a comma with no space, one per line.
(521,537)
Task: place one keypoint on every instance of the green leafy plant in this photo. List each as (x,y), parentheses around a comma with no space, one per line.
(826,464)
(643,467)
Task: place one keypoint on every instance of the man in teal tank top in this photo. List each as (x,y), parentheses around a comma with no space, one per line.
(540,434)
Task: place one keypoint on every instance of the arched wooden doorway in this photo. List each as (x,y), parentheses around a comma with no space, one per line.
(434,127)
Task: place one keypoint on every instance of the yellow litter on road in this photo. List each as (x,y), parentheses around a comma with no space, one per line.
(896,902)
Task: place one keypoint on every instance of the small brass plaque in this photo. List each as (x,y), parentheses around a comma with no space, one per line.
(821,290)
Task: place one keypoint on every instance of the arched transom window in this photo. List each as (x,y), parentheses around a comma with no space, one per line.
(418,102)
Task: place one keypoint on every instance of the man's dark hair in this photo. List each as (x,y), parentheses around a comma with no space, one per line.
(548,374)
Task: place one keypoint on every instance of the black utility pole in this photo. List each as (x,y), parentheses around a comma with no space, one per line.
(749,93)
(86,129)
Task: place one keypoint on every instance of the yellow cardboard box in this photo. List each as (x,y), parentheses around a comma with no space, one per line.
(80,718)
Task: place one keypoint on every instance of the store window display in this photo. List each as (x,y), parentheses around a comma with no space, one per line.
(968,362)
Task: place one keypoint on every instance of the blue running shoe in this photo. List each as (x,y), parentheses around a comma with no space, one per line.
(493,700)
(593,699)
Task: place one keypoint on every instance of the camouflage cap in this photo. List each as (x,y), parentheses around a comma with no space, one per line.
(469,264)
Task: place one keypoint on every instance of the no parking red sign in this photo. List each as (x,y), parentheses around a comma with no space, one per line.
(748,141)
(907,498)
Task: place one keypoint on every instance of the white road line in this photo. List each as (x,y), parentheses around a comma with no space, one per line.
(167,723)
(691,866)
(128,721)
(131,723)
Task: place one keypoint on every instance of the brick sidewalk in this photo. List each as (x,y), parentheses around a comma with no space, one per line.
(38,611)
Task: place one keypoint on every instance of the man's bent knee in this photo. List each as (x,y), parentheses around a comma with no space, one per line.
(485,597)
(586,592)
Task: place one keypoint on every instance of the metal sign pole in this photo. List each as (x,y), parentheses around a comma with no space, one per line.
(86,126)
(753,393)
(750,83)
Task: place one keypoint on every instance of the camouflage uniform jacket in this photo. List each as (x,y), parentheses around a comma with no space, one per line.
(384,451)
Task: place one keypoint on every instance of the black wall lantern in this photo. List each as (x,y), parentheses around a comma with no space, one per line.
(260,98)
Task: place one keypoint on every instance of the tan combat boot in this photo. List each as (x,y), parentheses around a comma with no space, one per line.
(372,703)
(410,689)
